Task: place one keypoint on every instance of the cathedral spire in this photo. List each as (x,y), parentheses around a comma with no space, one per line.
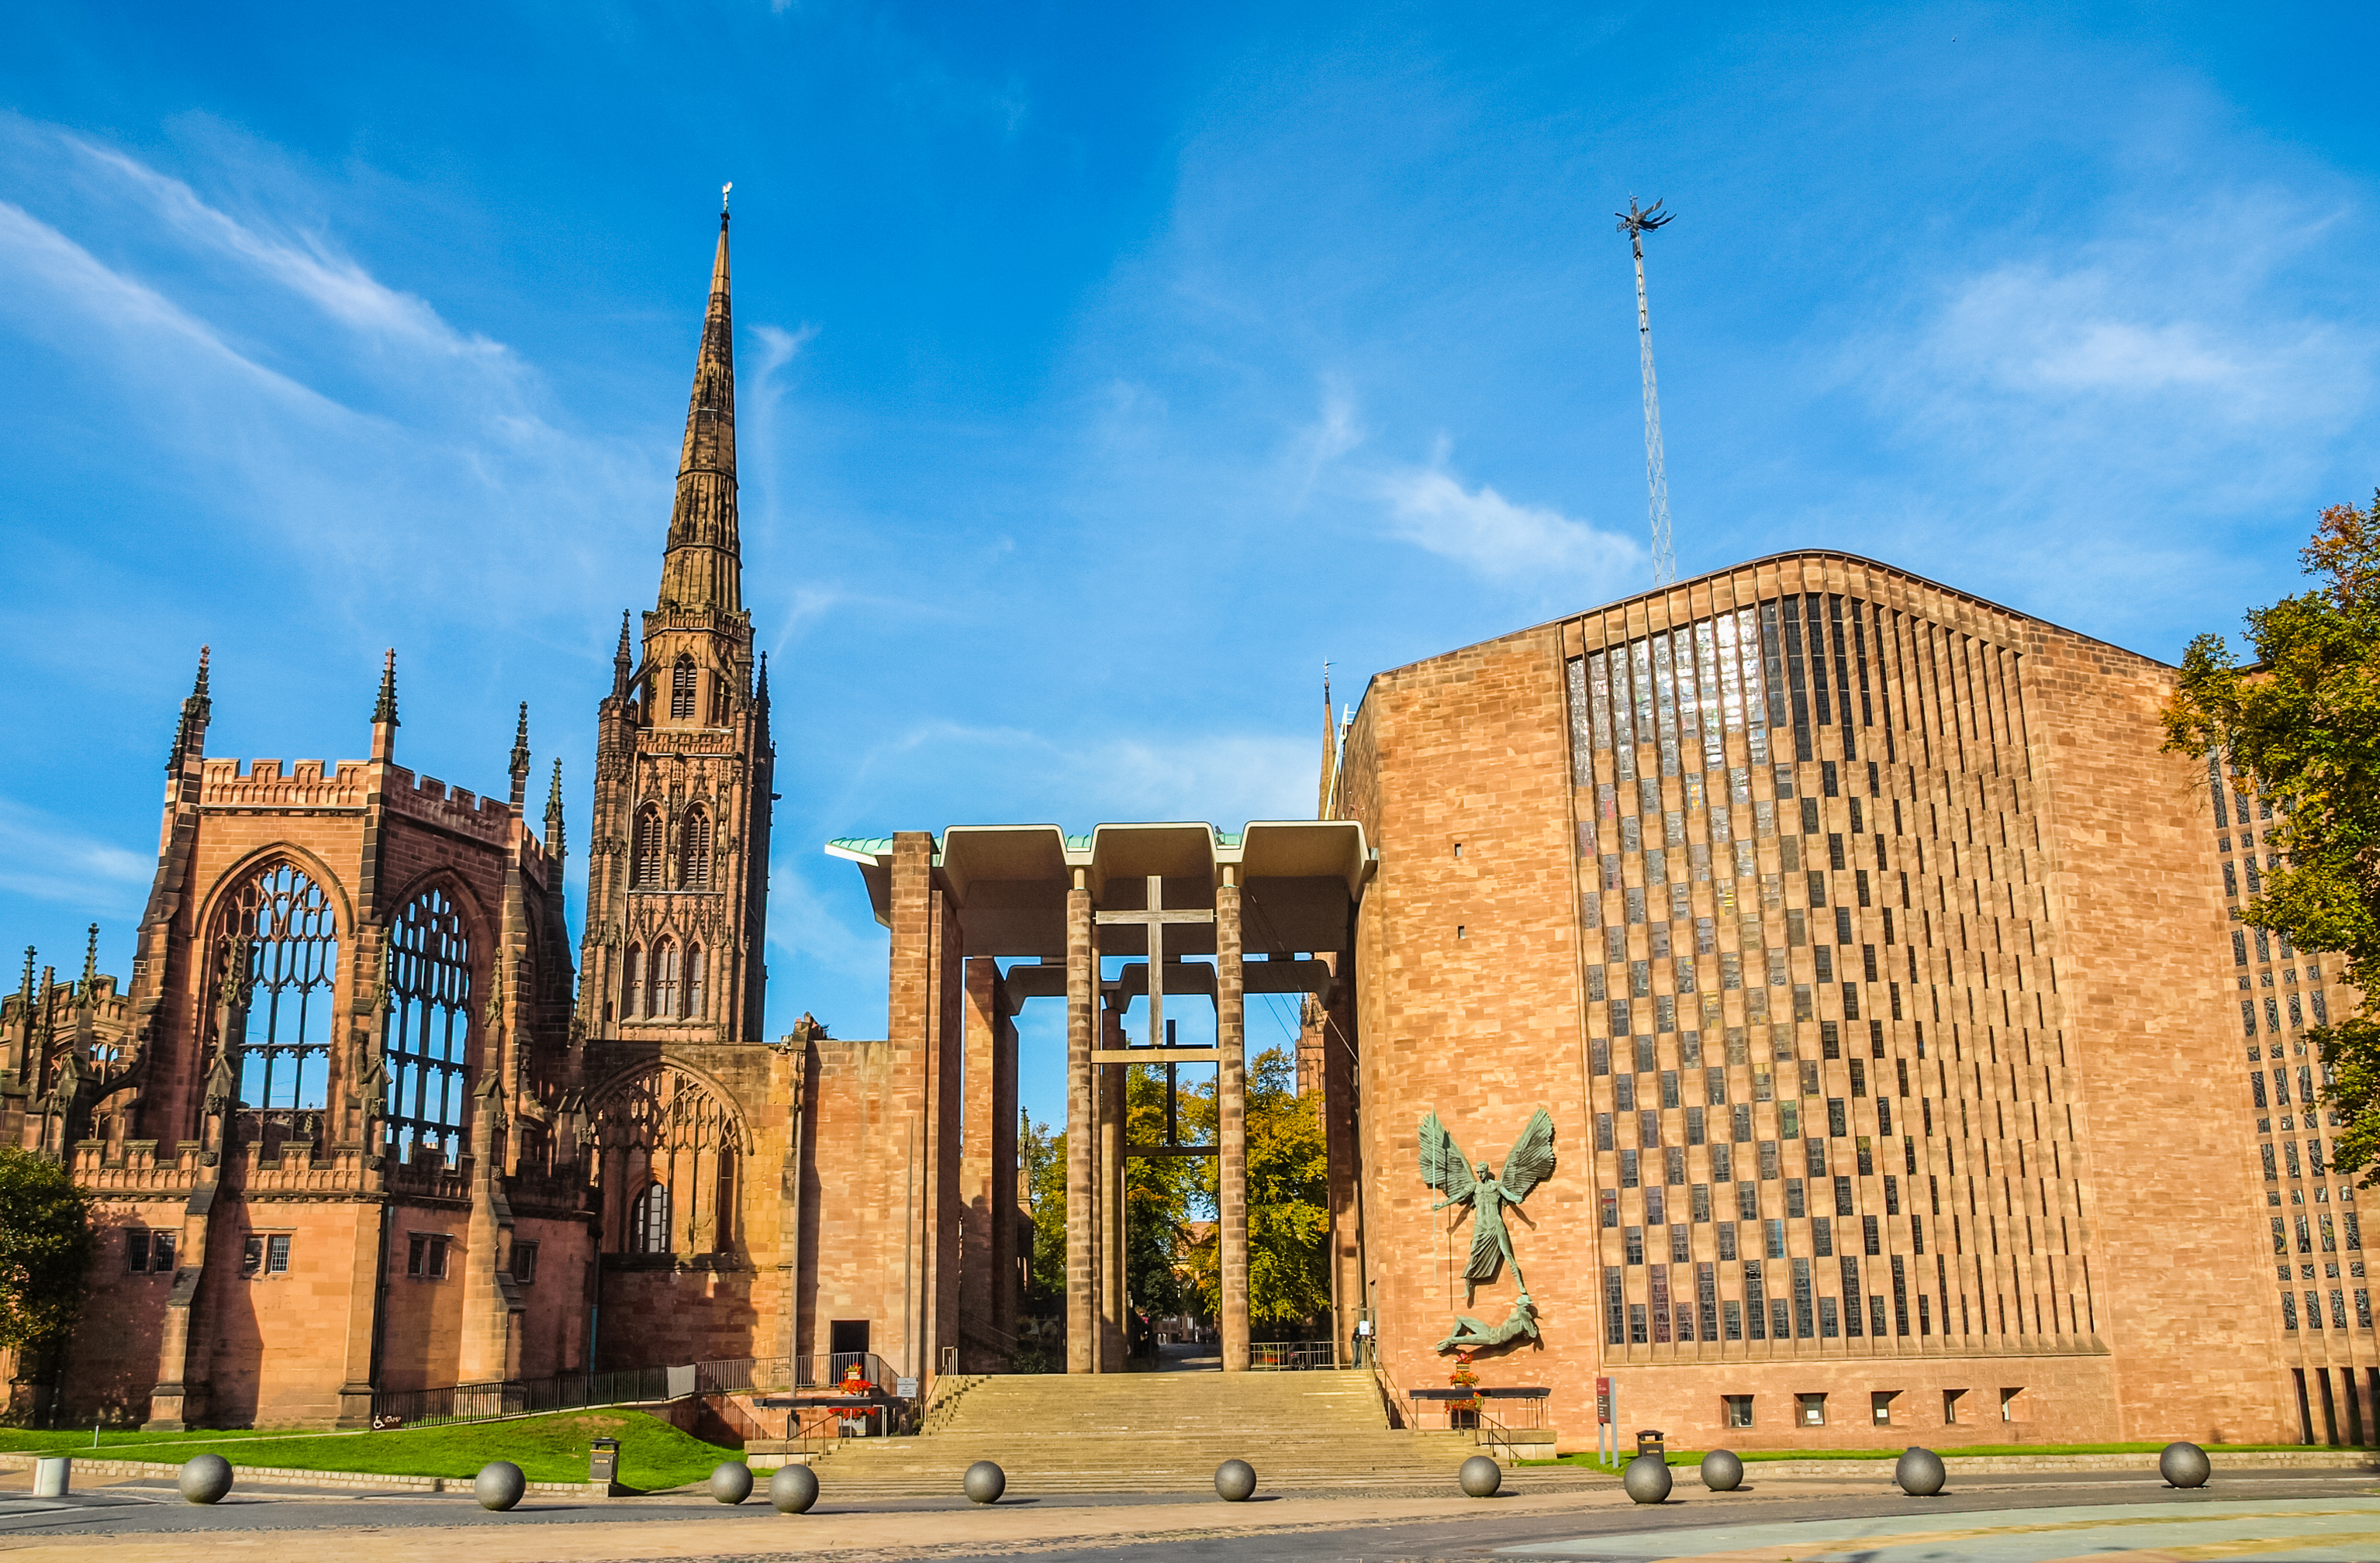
(702,568)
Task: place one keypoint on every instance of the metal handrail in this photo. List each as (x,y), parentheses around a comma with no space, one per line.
(1293,1355)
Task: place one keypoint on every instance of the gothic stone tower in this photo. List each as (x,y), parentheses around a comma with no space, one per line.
(689,1112)
(677,884)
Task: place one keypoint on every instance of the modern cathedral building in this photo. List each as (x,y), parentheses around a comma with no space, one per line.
(1904,1072)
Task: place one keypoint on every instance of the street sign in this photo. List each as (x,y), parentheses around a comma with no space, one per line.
(1603,1401)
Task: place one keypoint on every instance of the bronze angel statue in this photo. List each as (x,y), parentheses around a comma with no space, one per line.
(1444,1169)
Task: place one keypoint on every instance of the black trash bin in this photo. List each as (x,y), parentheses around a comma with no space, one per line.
(1648,1442)
(604,1460)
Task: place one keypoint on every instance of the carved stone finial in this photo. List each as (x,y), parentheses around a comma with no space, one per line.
(384,710)
(520,747)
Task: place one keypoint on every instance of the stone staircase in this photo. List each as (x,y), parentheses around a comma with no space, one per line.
(1150,1432)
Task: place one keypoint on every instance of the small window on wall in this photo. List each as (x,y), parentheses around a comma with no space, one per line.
(1810,1410)
(524,1261)
(1950,1407)
(1879,1402)
(425,1256)
(2008,1404)
(266,1254)
(1739,1411)
(148,1253)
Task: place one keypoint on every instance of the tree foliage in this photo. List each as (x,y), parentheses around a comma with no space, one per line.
(2301,724)
(44,1251)
(1289,1215)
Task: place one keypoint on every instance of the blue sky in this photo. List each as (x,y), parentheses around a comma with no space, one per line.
(1104,370)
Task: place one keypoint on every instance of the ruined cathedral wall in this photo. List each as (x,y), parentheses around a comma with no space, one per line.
(720,1290)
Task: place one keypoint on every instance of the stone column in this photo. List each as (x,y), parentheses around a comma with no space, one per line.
(1111,1218)
(983,1188)
(1232,1093)
(1082,1019)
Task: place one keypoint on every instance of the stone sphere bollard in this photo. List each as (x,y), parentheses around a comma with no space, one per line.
(499,1484)
(1646,1479)
(1480,1476)
(1919,1472)
(731,1481)
(1236,1481)
(793,1489)
(2185,1465)
(1722,1471)
(985,1482)
(205,1478)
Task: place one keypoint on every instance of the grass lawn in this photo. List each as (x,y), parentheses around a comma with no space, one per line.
(548,1449)
(1693,1457)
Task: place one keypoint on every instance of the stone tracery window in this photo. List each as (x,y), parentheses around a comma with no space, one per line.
(281,927)
(645,871)
(682,684)
(698,996)
(664,984)
(694,850)
(426,1046)
(660,1135)
(649,1222)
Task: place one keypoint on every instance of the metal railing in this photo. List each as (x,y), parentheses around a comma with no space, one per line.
(493,1400)
(1466,1409)
(821,1370)
(1294,1354)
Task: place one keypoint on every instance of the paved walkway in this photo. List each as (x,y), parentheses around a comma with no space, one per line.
(2304,1517)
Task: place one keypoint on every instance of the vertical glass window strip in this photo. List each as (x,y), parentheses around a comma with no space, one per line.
(1582,736)
(1859,649)
(1851,1297)
(1900,1298)
(426,1045)
(1796,679)
(645,870)
(1660,1294)
(1755,696)
(1804,1305)
(1615,1327)
(1707,666)
(1773,664)
(1640,674)
(682,678)
(698,987)
(280,929)
(1755,1304)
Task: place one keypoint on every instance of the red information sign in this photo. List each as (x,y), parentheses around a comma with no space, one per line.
(1602,1401)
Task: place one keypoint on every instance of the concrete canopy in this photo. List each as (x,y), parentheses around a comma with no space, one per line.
(1300,879)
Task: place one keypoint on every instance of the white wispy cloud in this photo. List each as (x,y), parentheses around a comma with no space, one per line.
(48,858)
(1505,541)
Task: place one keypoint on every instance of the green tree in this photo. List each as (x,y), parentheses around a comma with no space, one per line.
(2301,726)
(44,1251)
(1289,1217)
(1045,1175)
(1165,1195)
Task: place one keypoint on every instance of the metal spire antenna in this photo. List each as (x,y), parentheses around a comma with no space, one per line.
(1636,223)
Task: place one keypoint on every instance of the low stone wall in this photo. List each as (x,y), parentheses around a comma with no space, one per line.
(287,1476)
(2035,1465)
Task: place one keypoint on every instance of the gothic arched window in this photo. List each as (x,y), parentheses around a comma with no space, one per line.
(649,1222)
(666,980)
(682,680)
(281,931)
(426,1044)
(632,984)
(694,850)
(645,871)
(697,995)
